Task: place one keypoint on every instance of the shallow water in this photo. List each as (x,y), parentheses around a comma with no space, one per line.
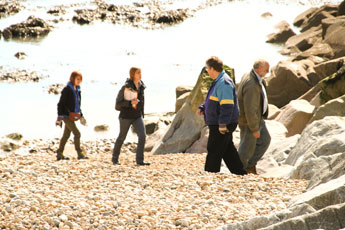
(104,52)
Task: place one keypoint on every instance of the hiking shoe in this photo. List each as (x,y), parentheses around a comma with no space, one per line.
(58,158)
(143,164)
(81,157)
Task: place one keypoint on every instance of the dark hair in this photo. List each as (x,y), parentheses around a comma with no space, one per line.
(215,63)
(74,75)
(132,72)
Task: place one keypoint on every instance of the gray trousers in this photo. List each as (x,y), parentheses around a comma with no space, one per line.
(251,149)
(139,127)
(70,126)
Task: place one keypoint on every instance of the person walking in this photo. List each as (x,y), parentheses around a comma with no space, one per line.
(69,111)
(253,103)
(221,115)
(130,102)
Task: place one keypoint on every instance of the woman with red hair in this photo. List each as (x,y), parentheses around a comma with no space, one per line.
(69,112)
(130,103)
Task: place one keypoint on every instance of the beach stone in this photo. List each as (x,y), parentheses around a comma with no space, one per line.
(316,17)
(55,88)
(182,89)
(15,136)
(266,15)
(57,10)
(295,116)
(333,107)
(288,81)
(101,128)
(301,18)
(20,55)
(283,34)
(327,68)
(180,101)
(33,27)
(186,127)
(8,8)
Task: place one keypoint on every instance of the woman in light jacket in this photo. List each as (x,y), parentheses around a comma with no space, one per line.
(69,111)
(131,113)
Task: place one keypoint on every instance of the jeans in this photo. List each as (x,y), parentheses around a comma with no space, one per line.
(251,149)
(220,146)
(69,127)
(140,130)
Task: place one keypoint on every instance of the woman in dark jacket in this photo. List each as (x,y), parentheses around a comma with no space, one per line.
(130,103)
(69,111)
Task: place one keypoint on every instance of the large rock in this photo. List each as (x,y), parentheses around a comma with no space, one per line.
(295,116)
(305,40)
(273,111)
(33,27)
(330,193)
(327,22)
(334,37)
(318,155)
(331,218)
(280,149)
(182,89)
(333,107)
(200,146)
(301,18)
(327,68)
(186,127)
(180,101)
(283,34)
(290,80)
(319,49)
(341,9)
(333,86)
(325,11)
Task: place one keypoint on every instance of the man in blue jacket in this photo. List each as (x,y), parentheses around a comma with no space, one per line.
(221,115)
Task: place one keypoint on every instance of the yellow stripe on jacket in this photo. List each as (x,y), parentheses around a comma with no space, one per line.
(213,98)
(227,101)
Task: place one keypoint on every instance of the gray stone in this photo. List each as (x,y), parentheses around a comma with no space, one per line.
(333,107)
(182,89)
(324,219)
(180,101)
(280,150)
(330,193)
(200,146)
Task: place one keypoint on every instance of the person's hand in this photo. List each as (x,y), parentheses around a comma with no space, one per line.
(199,112)
(135,102)
(83,121)
(223,129)
(59,121)
(256,134)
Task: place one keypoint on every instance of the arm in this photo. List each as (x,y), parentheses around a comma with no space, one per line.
(62,102)
(225,95)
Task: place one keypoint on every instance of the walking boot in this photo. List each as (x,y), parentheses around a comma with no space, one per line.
(252,170)
(82,155)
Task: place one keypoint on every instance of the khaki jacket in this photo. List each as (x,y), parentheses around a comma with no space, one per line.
(250,101)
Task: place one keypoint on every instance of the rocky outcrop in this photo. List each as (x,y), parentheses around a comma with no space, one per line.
(318,155)
(303,17)
(180,101)
(32,28)
(333,107)
(319,49)
(20,76)
(8,8)
(305,40)
(327,68)
(325,11)
(295,116)
(283,34)
(290,80)
(333,37)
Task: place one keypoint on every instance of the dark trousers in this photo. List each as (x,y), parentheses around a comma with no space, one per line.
(70,126)
(220,146)
(139,128)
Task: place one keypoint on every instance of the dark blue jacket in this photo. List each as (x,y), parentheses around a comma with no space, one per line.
(221,105)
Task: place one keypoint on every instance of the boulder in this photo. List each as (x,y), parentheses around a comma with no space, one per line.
(327,22)
(200,146)
(155,121)
(295,116)
(152,140)
(186,127)
(180,101)
(283,34)
(319,49)
(8,144)
(333,86)
(327,68)
(333,107)
(341,9)
(266,164)
(331,217)
(325,11)
(273,111)
(305,40)
(301,18)
(330,193)
(334,37)
(289,80)
(182,89)
(280,149)
(33,27)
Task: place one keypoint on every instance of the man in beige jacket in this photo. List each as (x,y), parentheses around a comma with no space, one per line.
(253,103)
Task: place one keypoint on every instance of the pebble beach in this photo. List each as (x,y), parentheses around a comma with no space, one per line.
(38,192)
